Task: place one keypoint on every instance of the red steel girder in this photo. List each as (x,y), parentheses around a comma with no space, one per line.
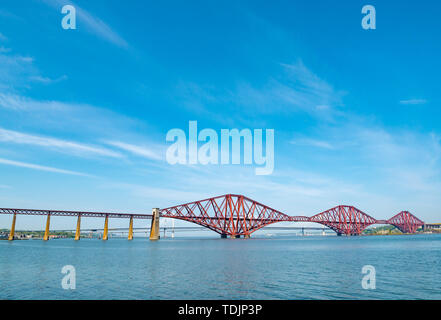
(346,220)
(72,213)
(405,222)
(233,215)
(237,215)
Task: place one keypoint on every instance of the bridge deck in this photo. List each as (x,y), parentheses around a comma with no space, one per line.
(73,213)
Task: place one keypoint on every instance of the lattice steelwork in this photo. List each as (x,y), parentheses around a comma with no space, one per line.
(405,222)
(236,215)
(346,220)
(73,213)
(232,215)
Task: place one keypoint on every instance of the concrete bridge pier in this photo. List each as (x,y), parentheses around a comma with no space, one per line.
(78,231)
(154,229)
(106,228)
(46,231)
(11,234)
(130,237)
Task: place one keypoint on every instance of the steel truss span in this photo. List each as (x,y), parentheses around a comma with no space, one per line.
(33,212)
(346,220)
(406,222)
(236,215)
(232,215)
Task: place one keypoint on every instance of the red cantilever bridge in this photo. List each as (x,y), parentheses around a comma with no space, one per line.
(235,216)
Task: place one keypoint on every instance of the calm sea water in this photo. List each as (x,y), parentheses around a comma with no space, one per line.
(407,267)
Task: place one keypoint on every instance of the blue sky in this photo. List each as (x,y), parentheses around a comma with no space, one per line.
(84,113)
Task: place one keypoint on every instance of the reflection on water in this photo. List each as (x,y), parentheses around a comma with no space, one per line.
(407,267)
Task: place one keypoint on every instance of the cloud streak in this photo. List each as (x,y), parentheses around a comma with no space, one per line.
(137,150)
(47,80)
(295,89)
(413,101)
(313,143)
(40,168)
(15,70)
(92,23)
(61,145)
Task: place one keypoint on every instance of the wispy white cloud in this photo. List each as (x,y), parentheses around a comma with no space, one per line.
(296,88)
(17,102)
(92,23)
(47,80)
(61,145)
(41,168)
(20,71)
(313,143)
(68,116)
(403,162)
(142,151)
(100,28)
(293,88)
(16,70)
(310,83)
(414,101)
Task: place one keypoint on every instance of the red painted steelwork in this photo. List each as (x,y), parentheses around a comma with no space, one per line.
(34,212)
(406,222)
(232,215)
(236,215)
(346,220)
